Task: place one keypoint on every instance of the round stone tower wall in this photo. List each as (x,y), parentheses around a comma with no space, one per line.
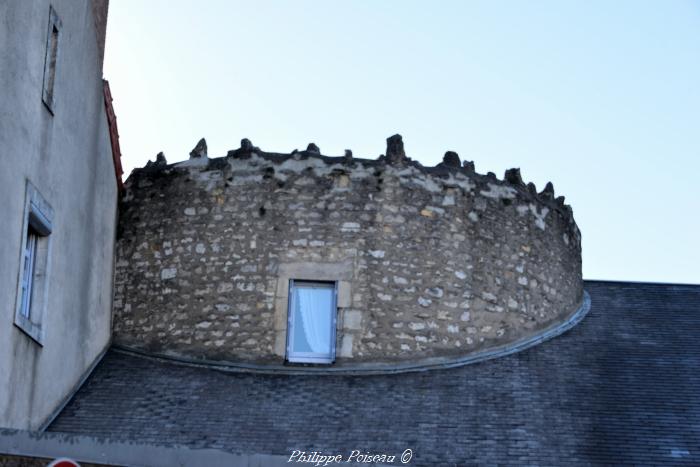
(428,262)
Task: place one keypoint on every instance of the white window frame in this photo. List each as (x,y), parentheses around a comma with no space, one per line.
(293,356)
(28,262)
(34,265)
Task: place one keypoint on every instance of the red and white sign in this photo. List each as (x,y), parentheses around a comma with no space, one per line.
(63,462)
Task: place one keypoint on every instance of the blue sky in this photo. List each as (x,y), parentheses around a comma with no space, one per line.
(602,98)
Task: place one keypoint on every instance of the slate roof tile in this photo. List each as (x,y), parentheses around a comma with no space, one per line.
(622,387)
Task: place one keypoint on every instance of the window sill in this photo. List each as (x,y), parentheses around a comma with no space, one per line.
(33,331)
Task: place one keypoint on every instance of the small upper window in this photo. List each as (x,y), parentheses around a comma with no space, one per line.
(34,264)
(312,322)
(51,58)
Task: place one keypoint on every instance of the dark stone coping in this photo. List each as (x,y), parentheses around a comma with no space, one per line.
(545,197)
(380,368)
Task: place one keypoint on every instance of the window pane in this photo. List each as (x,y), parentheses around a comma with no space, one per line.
(312,320)
(28,272)
(52,56)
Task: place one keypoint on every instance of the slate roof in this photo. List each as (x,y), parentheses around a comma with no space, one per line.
(622,387)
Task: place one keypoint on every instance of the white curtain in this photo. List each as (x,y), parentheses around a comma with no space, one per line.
(313,306)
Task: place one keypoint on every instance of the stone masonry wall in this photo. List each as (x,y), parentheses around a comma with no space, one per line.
(431,262)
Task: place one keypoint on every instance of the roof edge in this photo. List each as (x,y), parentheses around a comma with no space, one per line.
(113,134)
(632,282)
(104,451)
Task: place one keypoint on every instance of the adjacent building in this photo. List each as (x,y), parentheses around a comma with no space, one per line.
(59,180)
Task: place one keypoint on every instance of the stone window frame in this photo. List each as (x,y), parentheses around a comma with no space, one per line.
(341,273)
(38,222)
(53,35)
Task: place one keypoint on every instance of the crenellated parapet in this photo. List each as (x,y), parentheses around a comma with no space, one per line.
(428,262)
(395,156)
